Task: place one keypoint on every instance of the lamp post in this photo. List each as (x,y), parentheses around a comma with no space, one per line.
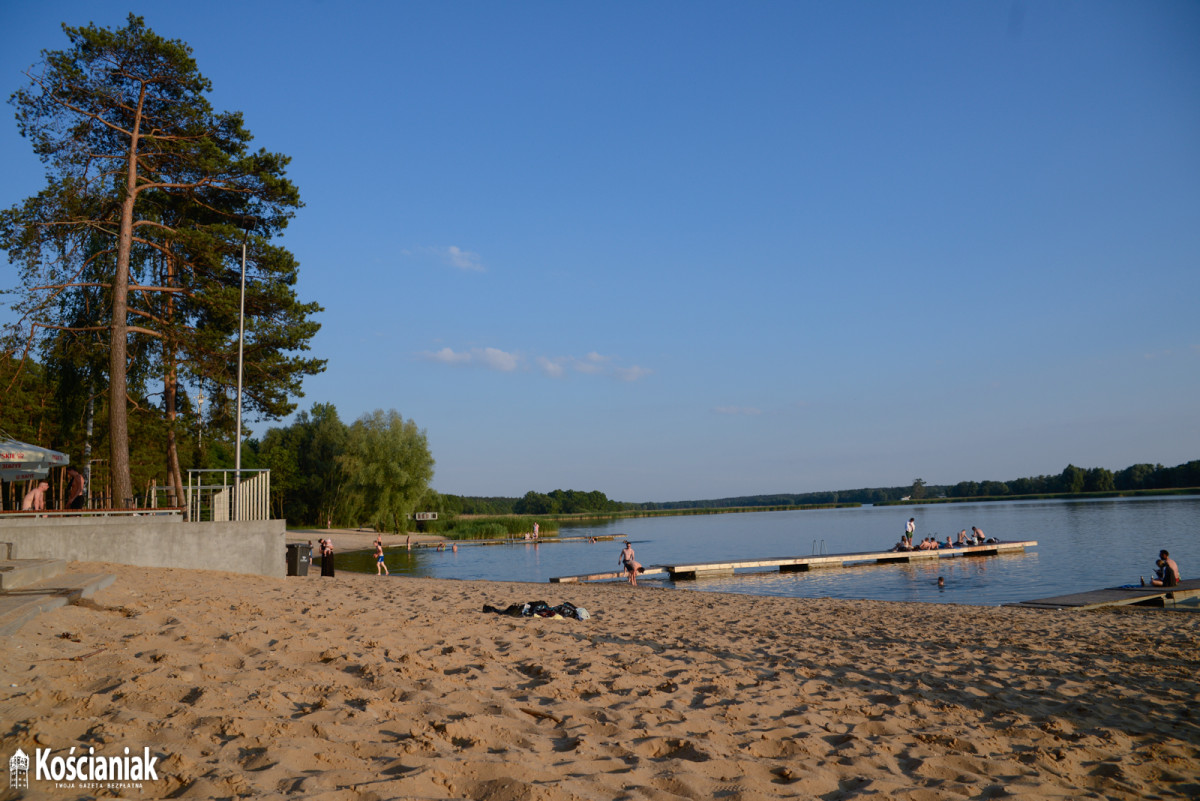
(237,459)
(199,396)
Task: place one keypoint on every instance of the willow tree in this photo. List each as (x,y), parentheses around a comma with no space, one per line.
(137,158)
(387,467)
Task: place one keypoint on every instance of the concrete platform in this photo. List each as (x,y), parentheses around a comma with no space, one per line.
(18,573)
(19,606)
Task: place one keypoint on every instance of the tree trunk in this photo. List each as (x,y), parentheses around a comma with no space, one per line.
(118,362)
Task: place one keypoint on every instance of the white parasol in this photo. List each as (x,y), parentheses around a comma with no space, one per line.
(20,461)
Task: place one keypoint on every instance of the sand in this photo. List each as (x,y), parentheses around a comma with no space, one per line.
(368,687)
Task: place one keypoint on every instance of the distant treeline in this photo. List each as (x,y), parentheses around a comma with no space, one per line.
(1071,481)
(559,502)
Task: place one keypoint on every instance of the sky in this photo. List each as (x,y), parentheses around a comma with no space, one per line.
(685,250)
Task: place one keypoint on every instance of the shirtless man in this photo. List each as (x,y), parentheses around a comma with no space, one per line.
(629,563)
(1171,575)
(75,497)
(35,499)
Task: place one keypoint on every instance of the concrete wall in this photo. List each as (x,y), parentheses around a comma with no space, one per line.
(162,541)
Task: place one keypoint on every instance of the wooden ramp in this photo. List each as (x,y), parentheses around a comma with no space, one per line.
(786,564)
(1117,596)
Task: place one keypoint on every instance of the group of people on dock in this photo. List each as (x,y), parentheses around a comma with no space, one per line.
(976,537)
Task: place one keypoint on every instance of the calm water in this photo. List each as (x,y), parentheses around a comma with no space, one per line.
(1082,545)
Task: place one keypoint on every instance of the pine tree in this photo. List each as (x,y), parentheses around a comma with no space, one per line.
(139,162)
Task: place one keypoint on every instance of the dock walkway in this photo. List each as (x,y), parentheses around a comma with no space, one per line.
(790,564)
(1116,596)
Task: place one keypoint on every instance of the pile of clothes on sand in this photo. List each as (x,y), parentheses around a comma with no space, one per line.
(541,609)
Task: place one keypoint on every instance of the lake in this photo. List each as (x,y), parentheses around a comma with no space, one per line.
(1082,545)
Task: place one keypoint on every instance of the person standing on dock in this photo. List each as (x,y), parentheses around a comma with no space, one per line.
(910,528)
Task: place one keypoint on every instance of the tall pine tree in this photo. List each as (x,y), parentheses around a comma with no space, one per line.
(138,161)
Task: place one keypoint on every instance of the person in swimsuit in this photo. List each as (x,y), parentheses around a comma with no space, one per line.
(380,567)
(629,563)
(1171,575)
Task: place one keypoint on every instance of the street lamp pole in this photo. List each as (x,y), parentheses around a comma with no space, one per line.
(199,396)
(237,465)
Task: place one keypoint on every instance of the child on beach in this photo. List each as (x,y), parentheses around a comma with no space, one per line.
(380,568)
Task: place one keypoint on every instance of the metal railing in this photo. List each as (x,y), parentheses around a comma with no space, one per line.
(218,496)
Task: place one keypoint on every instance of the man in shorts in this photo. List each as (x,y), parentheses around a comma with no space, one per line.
(1171,575)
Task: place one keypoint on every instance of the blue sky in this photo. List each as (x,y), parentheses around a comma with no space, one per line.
(674,250)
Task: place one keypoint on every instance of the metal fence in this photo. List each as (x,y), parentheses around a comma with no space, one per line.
(218,496)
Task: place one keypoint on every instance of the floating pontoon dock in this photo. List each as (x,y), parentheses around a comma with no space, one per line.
(795,564)
(1117,596)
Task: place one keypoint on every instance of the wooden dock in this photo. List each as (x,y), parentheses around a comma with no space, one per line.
(792,564)
(1117,596)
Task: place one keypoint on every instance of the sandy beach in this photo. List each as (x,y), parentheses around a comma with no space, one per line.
(366,687)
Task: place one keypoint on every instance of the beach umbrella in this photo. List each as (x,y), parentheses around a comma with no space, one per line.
(20,461)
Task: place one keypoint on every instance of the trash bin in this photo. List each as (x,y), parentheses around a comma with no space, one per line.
(299,554)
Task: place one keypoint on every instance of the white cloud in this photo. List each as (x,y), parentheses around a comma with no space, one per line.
(592,363)
(499,360)
(632,373)
(492,358)
(452,256)
(749,411)
(463,259)
(448,356)
(552,366)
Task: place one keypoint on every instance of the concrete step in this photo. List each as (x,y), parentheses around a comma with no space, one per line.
(18,573)
(18,607)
